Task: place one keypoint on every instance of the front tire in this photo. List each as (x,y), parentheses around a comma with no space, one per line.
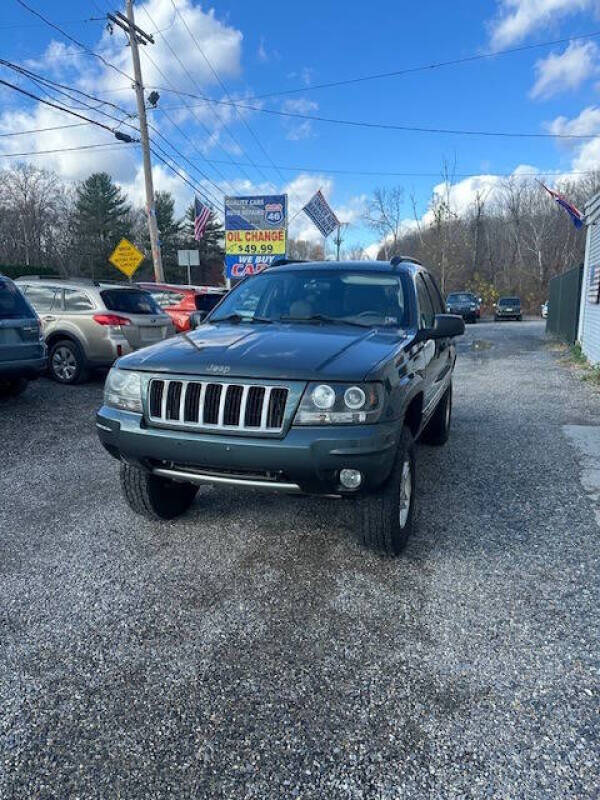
(153,497)
(385,517)
(66,362)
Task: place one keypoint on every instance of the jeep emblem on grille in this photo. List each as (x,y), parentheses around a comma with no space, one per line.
(219,369)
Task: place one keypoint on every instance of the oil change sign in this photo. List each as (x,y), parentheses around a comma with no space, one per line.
(255,233)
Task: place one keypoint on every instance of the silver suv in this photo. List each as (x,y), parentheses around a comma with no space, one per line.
(88,324)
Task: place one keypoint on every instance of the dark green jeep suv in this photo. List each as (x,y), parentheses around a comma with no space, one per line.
(312,378)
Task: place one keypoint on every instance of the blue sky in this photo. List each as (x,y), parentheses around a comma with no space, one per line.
(259,47)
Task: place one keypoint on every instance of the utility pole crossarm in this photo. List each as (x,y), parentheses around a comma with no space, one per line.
(134,34)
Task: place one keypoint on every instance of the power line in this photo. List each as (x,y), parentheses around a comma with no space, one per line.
(44,83)
(225,126)
(41,25)
(59,107)
(44,130)
(175,125)
(385,125)
(72,39)
(221,83)
(179,175)
(106,145)
(53,84)
(388,174)
(428,67)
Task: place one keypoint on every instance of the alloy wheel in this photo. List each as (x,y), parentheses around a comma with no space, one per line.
(64,364)
(405,493)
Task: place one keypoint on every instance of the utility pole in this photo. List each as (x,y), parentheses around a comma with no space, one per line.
(136,35)
(338,241)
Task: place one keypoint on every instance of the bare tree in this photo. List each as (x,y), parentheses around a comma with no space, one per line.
(385,215)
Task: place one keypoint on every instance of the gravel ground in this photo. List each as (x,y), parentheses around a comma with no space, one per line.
(251,650)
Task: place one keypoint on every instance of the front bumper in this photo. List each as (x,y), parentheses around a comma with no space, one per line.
(306,459)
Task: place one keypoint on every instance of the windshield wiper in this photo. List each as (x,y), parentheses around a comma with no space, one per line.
(324,318)
(239,318)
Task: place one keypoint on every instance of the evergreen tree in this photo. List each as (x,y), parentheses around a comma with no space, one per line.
(101,218)
(169,230)
(211,248)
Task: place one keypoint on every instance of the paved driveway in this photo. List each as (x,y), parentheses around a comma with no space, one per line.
(251,650)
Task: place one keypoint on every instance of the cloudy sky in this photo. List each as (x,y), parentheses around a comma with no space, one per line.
(232,75)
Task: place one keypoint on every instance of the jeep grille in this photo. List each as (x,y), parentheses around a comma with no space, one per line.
(217,406)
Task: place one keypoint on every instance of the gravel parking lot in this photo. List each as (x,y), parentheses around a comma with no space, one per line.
(252,650)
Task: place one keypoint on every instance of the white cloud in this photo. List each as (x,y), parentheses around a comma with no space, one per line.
(118,160)
(566,70)
(586,154)
(518,18)
(298,129)
(586,123)
(220,43)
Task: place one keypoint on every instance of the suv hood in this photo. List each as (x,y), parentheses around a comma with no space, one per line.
(300,351)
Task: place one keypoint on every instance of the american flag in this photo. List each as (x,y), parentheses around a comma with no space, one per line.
(202,215)
(571,210)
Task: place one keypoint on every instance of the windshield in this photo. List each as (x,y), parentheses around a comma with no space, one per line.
(130,301)
(509,301)
(461,298)
(12,303)
(365,298)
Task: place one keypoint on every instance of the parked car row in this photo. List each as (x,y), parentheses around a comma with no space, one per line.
(468,306)
(70,327)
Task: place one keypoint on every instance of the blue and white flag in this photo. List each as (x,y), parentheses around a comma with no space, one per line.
(319,211)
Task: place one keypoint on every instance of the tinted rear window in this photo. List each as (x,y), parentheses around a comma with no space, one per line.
(206,302)
(509,301)
(12,303)
(130,301)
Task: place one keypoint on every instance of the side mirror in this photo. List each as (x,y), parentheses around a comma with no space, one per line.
(196,319)
(445,327)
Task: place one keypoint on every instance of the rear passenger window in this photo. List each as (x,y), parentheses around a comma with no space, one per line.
(434,293)
(426,312)
(77,301)
(41,297)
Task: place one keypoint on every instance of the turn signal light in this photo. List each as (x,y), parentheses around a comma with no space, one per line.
(111,319)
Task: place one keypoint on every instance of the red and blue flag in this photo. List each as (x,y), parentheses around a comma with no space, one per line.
(571,210)
(201,217)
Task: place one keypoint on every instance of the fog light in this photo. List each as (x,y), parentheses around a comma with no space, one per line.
(350,478)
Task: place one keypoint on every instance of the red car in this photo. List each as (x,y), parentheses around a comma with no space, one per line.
(181,301)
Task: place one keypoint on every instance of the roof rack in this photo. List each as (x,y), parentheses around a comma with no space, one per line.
(66,279)
(396,260)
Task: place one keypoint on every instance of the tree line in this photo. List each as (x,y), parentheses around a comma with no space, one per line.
(50,227)
(511,239)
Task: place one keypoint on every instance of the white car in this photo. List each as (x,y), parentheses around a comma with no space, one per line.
(544,310)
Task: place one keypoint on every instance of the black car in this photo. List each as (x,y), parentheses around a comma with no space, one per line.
(508,308)
(309,378)
(22,349)
(465,304)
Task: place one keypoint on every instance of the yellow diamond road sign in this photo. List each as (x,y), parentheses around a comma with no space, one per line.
(126,257)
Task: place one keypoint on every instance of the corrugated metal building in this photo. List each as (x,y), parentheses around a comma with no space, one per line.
(589,311)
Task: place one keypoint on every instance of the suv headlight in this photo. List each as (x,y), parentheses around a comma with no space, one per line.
(340,404)
(123,389)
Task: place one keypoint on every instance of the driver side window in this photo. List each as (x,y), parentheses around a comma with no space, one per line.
(426,312)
